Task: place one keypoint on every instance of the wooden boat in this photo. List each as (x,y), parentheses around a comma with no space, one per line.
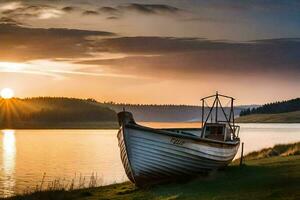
(153,155)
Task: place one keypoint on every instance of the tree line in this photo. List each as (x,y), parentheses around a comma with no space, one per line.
(273,108)
(53,110)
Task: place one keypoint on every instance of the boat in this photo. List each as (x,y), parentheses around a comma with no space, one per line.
(152,155)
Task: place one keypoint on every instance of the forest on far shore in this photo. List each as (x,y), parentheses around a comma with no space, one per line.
(56,112)
(274,108)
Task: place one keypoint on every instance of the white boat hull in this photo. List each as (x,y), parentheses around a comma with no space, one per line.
(151,155)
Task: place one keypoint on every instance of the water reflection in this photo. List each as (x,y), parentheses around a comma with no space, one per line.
(9,159)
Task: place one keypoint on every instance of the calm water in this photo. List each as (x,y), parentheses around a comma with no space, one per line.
(25,155)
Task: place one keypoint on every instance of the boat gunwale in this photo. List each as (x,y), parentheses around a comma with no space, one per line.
(174,134)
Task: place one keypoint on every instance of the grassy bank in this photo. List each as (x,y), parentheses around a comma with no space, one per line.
(263,177)
(278,150)
(289,117)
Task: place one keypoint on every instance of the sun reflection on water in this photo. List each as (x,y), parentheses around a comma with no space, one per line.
(9,159)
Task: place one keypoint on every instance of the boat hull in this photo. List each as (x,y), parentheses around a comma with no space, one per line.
(151,155)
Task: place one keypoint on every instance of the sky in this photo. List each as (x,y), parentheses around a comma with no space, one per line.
(151,52)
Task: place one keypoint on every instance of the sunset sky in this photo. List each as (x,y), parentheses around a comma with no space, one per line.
(151,51)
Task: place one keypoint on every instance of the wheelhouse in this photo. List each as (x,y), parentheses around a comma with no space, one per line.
(221,126)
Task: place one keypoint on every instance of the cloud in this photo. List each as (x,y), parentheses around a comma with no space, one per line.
(21,11)
(113,13)
(69,9)
(213,19)
(194,58)
(156,45)
(165,57)
(151,8)
(109,10)
(256,5)
(9,21)
(56,69)
(90,12)
(145,9)
(10,6)
(112,18)
(25,10)
(24,43)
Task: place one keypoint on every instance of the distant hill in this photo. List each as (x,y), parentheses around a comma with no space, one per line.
(277,112)
(55,112)
(289,117)
(273,108)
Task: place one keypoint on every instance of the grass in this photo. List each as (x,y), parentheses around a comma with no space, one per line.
(262,177)
(289,117)
(277,150)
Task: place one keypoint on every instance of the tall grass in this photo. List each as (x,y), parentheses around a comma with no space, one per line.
(62,184)
(277,150)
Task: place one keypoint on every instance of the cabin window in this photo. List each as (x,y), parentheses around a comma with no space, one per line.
(228,134)
(214,132)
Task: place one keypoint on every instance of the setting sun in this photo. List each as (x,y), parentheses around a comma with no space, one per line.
(7,93)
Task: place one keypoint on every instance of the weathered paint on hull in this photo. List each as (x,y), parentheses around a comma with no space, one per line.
(150,157)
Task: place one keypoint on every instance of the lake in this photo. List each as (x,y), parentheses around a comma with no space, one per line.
(25,155)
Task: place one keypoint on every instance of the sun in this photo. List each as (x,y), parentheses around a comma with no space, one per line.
(7,93)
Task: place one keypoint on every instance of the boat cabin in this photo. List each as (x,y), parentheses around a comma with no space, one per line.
(217,131)
(223,129)
(217,122)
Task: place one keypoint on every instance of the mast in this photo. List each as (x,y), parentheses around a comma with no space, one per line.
(233,116)
(216,105)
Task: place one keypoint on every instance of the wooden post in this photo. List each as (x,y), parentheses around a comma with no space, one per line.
(241,160)
(217,101)
(202,113)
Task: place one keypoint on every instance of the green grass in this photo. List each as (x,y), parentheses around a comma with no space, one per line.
(289,117)
(268,178)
